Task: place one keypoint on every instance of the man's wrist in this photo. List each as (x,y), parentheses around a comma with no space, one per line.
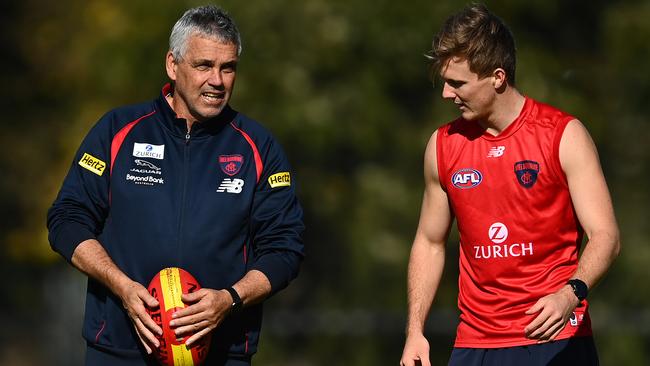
(412,330)
(236,304)
(579,288)
(116,280)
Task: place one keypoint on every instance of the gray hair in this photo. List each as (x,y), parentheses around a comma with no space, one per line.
(210,21)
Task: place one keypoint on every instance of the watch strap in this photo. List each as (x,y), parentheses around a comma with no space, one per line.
(580,288)
(237,304)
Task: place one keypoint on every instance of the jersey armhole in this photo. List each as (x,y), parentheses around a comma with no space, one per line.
(557,166)
(442,176)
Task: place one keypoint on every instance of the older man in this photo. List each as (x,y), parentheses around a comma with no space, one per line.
(184,181)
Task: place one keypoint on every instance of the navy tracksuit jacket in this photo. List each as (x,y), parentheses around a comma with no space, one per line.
(217,201)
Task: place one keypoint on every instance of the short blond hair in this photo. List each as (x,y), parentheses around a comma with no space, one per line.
(478,36)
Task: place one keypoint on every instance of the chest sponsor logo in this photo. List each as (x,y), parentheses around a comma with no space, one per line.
(496,151)
(145,164)
(231,186)
(498,235)
(526,172)
(231,164)
(147,180)
(144,150)
(466,178)
(282,179)
(93,164)
(145,167)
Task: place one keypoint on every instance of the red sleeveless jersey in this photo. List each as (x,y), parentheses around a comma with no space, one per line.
(519,234)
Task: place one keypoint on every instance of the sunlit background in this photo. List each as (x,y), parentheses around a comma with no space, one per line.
(343,85)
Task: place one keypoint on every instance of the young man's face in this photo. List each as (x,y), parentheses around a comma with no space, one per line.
(474,96)
(204,78)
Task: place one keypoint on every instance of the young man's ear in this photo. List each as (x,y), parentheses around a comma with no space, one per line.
(499,78)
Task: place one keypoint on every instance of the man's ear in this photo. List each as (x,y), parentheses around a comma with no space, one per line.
(170,66)
(499,78)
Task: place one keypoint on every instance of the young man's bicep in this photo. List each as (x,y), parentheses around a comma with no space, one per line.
(589,192)
(435,214)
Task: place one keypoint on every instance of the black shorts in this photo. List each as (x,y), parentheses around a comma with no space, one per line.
(96,356)
(572,351)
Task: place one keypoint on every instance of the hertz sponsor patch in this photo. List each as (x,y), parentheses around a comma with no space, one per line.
(282,179)
(93,164)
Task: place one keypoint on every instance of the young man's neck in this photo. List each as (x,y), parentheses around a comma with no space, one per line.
(507,107)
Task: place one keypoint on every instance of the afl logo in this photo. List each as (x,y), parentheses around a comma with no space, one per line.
(498,233)
(466,178)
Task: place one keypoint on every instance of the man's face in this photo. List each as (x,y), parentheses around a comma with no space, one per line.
(473,96)
(204,78)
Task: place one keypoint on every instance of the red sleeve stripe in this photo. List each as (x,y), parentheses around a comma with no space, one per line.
(245,254)
(258,160)
(101,329)
(119,137)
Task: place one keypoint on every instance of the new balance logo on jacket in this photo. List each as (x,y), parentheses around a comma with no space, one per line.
(231,185)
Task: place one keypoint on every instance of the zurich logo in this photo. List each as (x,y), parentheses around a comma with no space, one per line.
(466,178)
(149,148)
(498,232)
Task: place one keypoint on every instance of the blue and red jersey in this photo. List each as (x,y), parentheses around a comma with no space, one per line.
(217,201)
(519,234)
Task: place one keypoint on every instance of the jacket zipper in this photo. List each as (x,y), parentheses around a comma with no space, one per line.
(186,163)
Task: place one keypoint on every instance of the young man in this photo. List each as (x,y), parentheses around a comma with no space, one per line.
(524,182)
(183,181)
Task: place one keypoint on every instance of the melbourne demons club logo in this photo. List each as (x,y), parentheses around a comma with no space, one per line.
(526,171)
(231,164)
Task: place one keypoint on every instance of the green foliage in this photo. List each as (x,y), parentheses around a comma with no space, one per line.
(343,85)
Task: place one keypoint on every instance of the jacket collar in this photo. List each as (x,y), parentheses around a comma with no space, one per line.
(178,126)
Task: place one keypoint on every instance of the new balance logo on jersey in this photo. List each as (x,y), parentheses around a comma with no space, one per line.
(231,185)
(496,151)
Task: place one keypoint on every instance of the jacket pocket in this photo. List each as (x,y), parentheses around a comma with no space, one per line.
(106,322)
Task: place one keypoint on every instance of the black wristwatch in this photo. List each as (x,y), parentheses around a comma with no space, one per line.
(237,304)
(580,288)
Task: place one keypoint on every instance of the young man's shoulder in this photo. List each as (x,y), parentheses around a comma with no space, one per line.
(547,113)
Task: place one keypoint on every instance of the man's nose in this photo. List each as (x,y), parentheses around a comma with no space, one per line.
(215,78)
(448,92)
